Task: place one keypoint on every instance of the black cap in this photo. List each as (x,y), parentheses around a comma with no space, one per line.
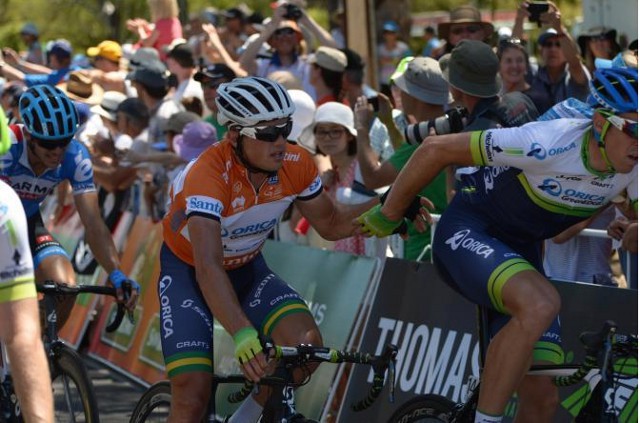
(234,13)
(354,60)
(134,107)
(215,71)
(183,54)
(151,78)
(633,45)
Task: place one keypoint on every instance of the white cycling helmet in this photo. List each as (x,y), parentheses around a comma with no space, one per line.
(249,101)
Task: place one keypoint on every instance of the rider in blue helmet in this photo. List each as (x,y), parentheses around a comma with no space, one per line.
(45,154)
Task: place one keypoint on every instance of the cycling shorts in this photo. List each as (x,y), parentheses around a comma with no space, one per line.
(476,263)
(42,243)
(186,322)
(16,264)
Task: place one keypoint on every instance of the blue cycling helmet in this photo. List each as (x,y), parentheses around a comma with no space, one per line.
(615,89)
(48,114)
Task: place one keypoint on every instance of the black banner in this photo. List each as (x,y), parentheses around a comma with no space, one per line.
(436,333)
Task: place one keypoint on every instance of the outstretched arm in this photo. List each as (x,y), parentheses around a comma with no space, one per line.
(332,220)
(433,155)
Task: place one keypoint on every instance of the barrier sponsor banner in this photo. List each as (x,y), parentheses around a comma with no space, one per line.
(435,330)
(333,284)
(83,260)
(69,232)
(134,349)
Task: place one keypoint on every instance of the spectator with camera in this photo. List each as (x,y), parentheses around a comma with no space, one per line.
(562,74)
(425,95)
(285,37)
(472,72)
(233,34)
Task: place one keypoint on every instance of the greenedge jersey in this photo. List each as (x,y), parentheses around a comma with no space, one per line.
(536,180)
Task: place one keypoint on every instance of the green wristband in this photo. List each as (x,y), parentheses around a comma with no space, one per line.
(375,223)
(247,344)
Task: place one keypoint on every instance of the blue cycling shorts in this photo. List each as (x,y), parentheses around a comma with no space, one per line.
(186,323)
(476,263)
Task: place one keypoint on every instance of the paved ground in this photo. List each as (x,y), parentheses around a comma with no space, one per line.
(117,396)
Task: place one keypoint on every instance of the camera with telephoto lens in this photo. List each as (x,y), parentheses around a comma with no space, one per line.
(450,123)
(293,12)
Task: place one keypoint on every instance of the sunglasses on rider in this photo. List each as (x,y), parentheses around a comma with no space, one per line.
(268,133)
(51,145)
(627,126)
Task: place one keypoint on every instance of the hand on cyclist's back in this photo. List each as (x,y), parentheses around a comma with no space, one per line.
(127,289)
(249,353)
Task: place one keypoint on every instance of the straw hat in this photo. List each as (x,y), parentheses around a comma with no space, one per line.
(80,88)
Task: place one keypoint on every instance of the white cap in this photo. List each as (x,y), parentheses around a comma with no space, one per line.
(338,113)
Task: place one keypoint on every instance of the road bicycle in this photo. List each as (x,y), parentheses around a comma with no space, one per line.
(606,353)
(154,404)
(73,394)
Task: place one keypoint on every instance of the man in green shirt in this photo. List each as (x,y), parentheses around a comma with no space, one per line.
(424,95)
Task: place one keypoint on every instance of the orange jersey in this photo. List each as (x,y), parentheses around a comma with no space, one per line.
(217,186)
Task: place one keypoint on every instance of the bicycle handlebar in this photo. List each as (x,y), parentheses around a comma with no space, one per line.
(308,353)
(51,288)
(594,342)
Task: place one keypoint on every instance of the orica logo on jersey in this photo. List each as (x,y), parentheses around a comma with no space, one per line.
(570,195)
(252,229)
(461,239)
(539,152)
(199,203)
(490,173)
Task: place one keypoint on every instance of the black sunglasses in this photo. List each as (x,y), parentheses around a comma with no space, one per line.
(268,133)
(51,144)
(284,31)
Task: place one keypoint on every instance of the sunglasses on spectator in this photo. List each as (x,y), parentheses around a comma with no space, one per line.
(51,145)
(549,44)
(332,133)
(471,29)
(284,31)
(268,133)
(627,126)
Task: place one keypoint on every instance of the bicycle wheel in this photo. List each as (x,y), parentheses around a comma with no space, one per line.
(424,408)
(73,397)
(154,404)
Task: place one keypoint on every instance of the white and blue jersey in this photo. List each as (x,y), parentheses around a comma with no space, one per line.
(32,189)
(533,182)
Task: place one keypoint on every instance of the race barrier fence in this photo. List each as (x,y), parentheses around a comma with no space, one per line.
(352,299)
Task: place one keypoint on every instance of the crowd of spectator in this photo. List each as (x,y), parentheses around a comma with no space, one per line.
(148,108)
